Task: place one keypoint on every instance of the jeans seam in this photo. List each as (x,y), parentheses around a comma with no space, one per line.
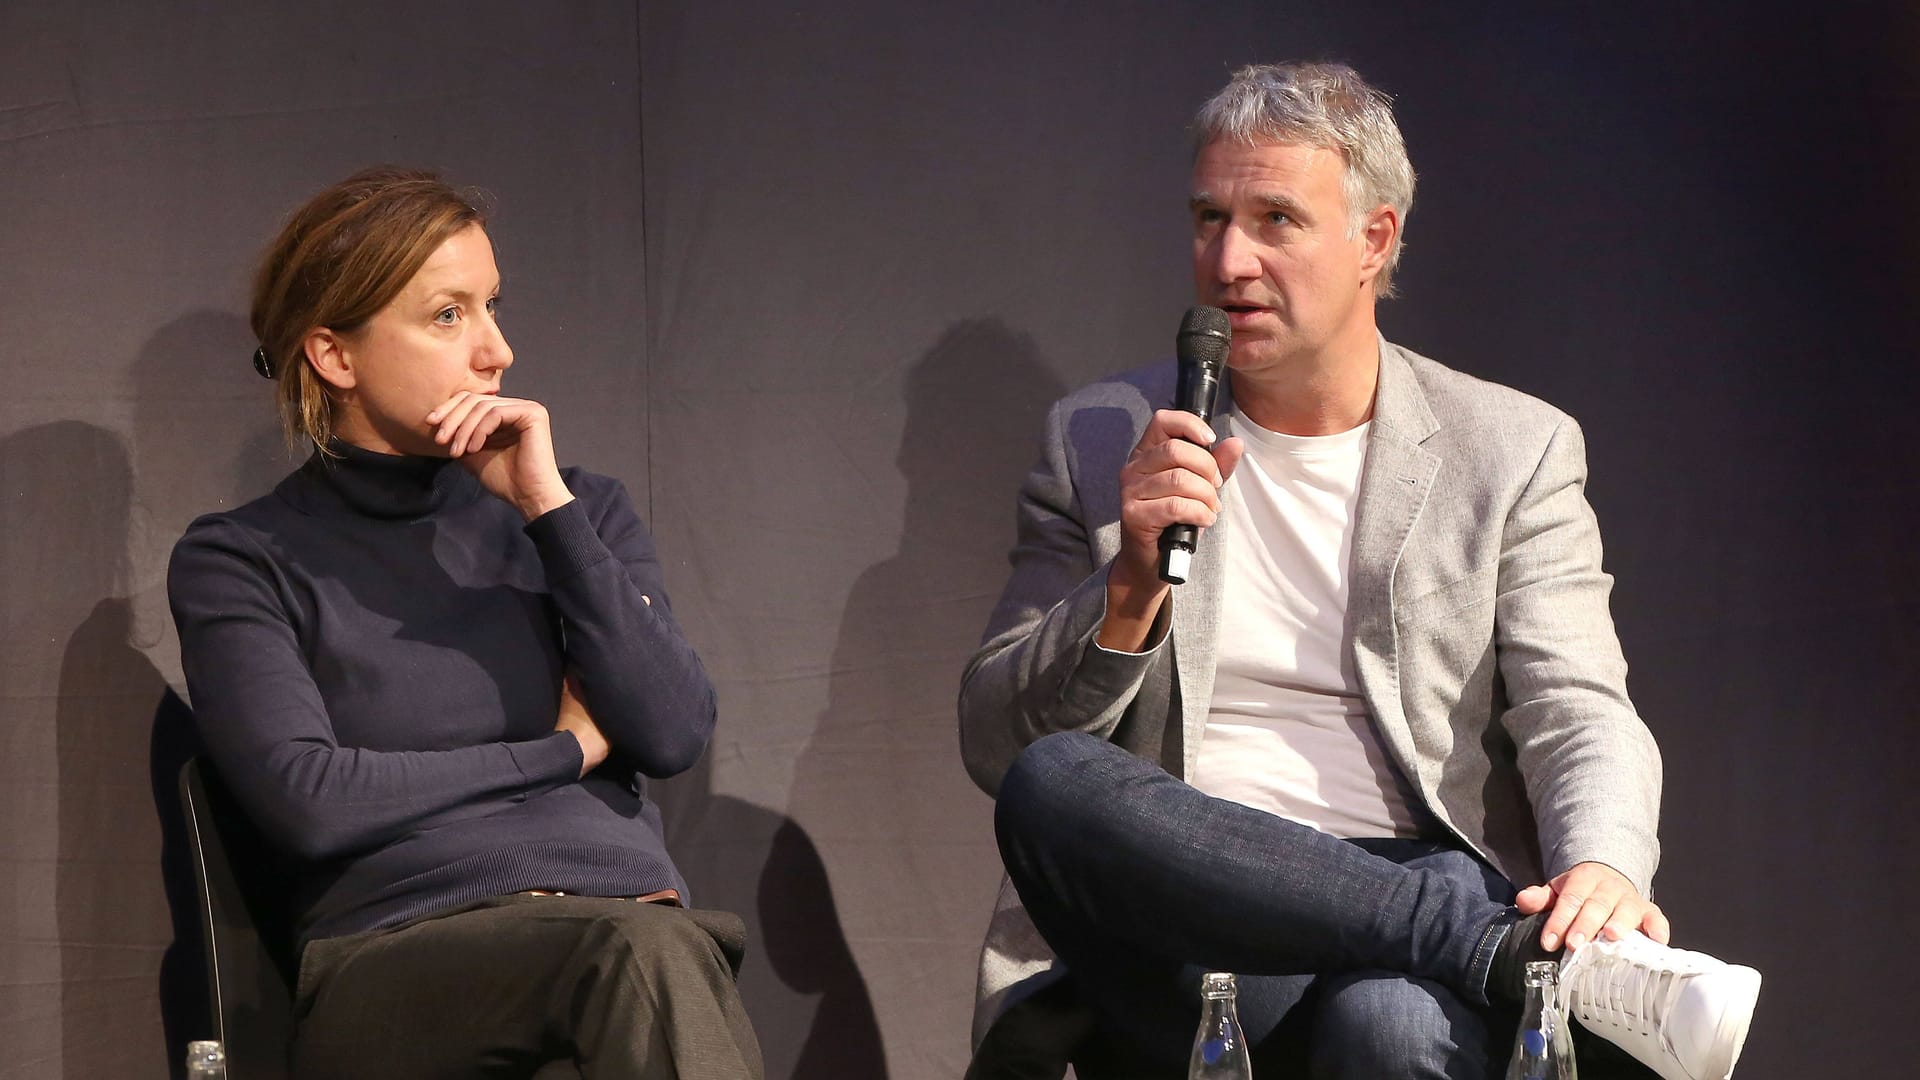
(1479,968)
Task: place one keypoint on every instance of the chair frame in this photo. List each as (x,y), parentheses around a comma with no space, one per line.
(250,967)
(252,972)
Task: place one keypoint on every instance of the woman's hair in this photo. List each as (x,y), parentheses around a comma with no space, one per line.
(342,257)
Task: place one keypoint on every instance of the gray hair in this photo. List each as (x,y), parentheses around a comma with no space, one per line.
(1325,105)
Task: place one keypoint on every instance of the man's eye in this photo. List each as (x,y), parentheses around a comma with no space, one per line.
(493,305)
(1277,217)
(448,316)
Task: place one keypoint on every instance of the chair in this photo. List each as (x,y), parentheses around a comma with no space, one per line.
(245,908)
(244,905)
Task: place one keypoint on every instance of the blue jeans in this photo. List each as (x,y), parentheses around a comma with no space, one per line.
(1140,883)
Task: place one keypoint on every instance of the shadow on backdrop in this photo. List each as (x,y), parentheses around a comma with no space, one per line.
(797,952)
(880,781)
(808,1002)
(69,488)
(204,439)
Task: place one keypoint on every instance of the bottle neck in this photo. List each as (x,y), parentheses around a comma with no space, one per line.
(1218,1013)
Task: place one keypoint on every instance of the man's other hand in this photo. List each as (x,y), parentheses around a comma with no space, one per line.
(1592,898)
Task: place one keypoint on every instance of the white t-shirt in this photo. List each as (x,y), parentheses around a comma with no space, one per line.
(1287,730)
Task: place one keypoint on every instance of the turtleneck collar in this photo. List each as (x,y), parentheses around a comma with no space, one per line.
(393,487)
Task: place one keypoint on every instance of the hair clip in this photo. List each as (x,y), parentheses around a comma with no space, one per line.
(260,363)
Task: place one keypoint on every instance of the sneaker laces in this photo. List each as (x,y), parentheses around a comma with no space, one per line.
(1682,1014)
(1609,984)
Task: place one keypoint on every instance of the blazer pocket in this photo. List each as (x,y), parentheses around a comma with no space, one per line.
(1449,600)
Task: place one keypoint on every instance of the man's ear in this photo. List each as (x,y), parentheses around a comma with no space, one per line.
(1377,237)
(327,352)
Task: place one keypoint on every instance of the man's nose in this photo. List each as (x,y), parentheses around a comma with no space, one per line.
(1233,256)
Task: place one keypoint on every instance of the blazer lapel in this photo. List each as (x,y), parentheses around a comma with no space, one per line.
(1196,618)
(1394,485)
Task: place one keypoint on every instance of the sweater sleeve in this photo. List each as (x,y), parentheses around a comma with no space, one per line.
(266,726)
(639,677)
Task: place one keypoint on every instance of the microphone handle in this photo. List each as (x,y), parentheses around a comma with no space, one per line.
(1177,542)
(1176,552)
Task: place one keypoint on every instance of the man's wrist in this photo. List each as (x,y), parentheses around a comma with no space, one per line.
(1133,606)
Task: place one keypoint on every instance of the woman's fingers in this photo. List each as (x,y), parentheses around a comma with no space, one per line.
(483,421)
(508,444)
(446,419)
(469,421)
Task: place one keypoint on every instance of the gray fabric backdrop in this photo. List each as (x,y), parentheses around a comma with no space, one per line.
(805,277)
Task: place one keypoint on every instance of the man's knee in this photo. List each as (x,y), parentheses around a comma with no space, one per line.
(1068,772)
(1047,784)
(1041,767)
(1374,1024)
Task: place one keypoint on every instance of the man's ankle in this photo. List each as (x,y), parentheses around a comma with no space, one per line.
(1506,974)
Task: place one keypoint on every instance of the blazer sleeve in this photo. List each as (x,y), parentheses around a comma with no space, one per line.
(262,719)
(639,678)
(1591,768)
(1038,669)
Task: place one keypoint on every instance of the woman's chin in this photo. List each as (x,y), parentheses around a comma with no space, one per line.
(417,443)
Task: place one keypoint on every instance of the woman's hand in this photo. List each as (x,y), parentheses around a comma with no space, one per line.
(507,443)
(574,718)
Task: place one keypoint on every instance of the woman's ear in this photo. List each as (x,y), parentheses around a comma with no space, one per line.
(327,352)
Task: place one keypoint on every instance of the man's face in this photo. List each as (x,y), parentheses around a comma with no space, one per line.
(1270,247)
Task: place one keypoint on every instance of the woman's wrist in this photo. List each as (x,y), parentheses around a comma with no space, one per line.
(538,504)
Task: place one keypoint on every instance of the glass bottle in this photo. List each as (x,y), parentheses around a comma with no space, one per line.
(206,1061)
(1543,1047)
(1219,1049)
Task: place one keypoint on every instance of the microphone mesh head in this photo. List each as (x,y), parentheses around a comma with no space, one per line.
(1204,336)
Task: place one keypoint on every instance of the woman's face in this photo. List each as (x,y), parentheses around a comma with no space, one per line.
(435,339)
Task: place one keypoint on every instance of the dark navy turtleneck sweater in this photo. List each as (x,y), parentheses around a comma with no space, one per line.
(375,652)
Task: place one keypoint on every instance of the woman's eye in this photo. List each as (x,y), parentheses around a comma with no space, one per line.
(493,305)
(448,316)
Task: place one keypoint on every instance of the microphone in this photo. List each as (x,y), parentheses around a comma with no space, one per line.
(1202,348)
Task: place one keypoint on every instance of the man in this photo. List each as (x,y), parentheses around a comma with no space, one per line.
(1400,760)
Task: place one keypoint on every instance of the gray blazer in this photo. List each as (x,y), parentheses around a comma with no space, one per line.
(1477,607)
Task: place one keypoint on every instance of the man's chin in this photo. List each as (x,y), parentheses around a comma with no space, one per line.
(1254,356)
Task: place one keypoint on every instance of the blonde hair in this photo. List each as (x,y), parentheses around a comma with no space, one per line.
(342,257)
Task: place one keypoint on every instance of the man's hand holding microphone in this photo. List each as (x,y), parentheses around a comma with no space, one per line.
(1170,487)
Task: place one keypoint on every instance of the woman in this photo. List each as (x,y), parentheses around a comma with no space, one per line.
(433,666)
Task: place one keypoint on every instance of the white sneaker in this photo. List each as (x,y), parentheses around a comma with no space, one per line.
(1682,1014)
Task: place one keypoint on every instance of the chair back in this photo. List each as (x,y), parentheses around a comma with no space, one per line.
(246,918)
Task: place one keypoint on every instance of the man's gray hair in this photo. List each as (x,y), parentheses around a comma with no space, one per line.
(1325,105)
